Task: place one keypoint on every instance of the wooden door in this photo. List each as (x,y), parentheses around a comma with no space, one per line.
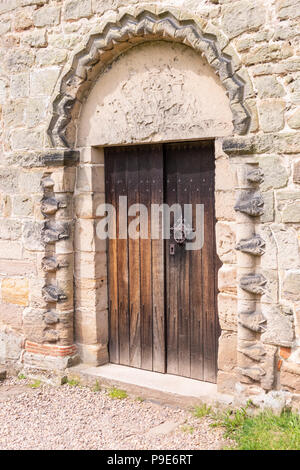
(136,267)
(162,306)
(191,276)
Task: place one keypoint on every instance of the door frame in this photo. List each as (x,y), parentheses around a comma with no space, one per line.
(92,331)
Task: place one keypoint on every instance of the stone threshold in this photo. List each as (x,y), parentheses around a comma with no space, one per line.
(162,388)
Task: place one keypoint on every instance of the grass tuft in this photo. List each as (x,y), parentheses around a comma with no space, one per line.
(22,376)
(117,393)
(187,429)
(201,411)
(265,431)
(97,387)
(35,384)
(73,382)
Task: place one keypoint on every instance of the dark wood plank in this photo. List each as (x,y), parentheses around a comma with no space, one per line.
(158,295)
(112,265)
(145,165)
(134,264)
(208,265)
(171,268)
(121,162)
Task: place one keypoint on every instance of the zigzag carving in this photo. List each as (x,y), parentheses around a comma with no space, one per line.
(103,48)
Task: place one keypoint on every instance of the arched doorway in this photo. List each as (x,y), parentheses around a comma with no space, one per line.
(161,311)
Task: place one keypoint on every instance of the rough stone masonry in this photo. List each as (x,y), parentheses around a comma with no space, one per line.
(52,270)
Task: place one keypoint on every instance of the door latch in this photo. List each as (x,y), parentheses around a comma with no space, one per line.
(172,249)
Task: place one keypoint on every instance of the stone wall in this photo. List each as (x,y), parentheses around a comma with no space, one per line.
(50,61)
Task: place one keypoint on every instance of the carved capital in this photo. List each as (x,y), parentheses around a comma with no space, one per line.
(253,283)
(255,246)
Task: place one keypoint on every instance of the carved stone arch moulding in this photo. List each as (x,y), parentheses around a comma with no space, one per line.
(118,37)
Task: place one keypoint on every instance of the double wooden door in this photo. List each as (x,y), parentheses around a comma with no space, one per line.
(162,297)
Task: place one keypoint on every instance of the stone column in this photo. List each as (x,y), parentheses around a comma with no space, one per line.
(91,312)
(48,323)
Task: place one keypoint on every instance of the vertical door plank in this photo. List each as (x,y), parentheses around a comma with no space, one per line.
(158,297)
(112,265)
(122,260)
(172,280)
(135,358)
(184,174)
(196,281)
(146,263)
(208,266)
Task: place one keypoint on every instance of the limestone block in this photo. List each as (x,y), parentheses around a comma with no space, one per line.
(22,206)
(8,181)
(294,120)
(10,229)
(11,316)
(10,346)
(227,279)
(86,238)
(291,212)
(296,172)
(288,9)
(225,201)
(90,265)
(46,16)
(15,291)
(227,311)
(32,236)
(226,382)
(50,56)
(268,215)
(22,20)
(269,258)
(33,325)
(268,365)
(16,61)
(271,293)
(75,9)
(268,53)
(291,284)
(42,81)
(91,294)
(280,330)
(64,180)
(271,115)
(268,87)
(90,178)
(35,38)
(15,267)
(11,250)
(93,354)
(87,204)
(19,85)
(227,356)
(242,16)
(24,139)
(91,326)
(287,143)
(290,377)
(287,246)
(92,155)
(275,173)
(225,175)
(225,237)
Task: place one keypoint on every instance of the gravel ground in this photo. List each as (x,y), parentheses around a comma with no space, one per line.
(69,417)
